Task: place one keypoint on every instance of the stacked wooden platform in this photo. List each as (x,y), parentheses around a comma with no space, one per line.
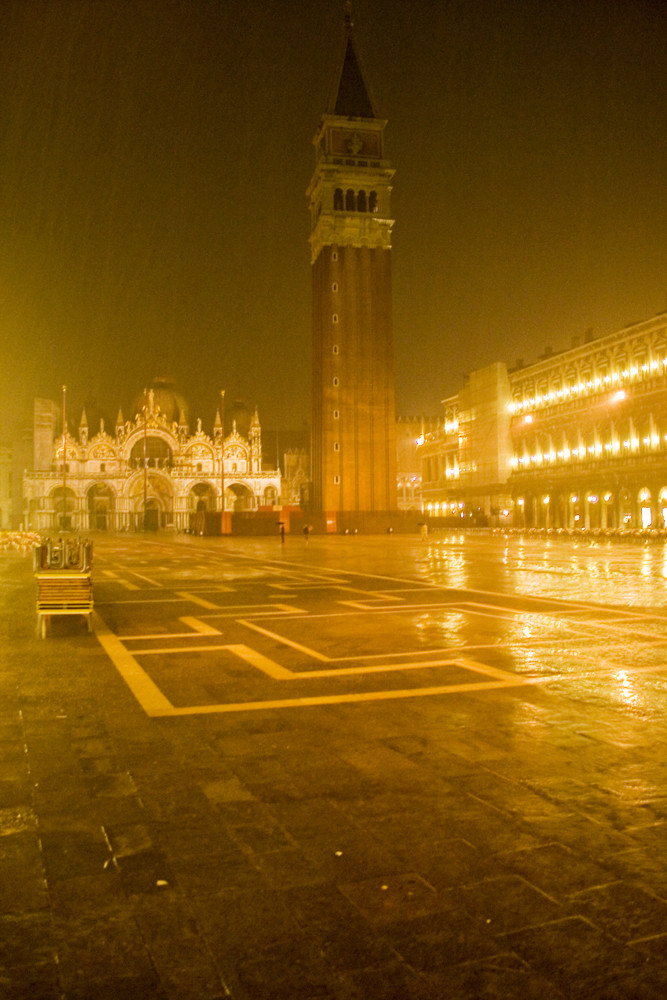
(64,580)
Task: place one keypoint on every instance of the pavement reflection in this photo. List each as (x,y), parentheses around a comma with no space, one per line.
(357,769)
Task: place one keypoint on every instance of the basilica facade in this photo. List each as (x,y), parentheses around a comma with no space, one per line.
(152,472)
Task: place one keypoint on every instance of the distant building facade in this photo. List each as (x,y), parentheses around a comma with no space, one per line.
(6,464)
(576,440)
(151,472)
(354,416)
(410,432)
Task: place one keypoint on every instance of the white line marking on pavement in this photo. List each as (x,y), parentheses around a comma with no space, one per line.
(140,684)
(202,602)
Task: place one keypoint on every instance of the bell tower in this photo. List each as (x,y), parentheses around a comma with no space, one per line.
(354,412)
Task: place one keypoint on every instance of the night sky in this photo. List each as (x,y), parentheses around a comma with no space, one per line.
(154,158)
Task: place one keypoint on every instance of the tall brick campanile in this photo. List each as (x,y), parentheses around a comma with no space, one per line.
(354,412)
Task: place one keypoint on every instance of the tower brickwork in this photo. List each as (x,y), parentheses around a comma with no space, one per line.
(354,414)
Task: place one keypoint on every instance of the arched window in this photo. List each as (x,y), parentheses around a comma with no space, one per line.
(373,201)
(350,200)
(158,453)
(338,200)
(361,201)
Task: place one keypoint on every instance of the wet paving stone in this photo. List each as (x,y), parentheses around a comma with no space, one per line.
(23,886)
(394,981)
(395,897)
(40,981)
(436,941)
(26,939)
(499,977)
(144,872)
(142,987)
(556,870)
(484,845)
(17,819)
(641,865)
(180,954)
(508,904)
(449,863)
(623,910)
(70,853)
(344,937)
(291,969)
(574,955)
(207,874)
(90,945)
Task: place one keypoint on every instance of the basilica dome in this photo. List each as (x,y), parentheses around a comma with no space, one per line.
(167,397)
(238,412)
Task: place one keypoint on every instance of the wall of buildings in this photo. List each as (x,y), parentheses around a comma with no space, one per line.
(576,440)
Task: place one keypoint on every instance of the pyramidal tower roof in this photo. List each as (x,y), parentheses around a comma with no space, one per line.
(351,96)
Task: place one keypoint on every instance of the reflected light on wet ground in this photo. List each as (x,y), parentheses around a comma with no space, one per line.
(622,574)
(627,688)
(447,567)
(435,629)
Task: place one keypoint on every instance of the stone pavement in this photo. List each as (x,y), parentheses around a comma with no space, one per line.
(504,842)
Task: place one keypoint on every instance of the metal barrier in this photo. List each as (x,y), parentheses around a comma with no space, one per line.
(64,586)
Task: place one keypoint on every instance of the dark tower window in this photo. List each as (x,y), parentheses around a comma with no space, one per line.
(334,255)
(336,414)
(338,200)
(334,318)
(373,201)
(336,381)
(350,201)
(336,446)
(361,201)
(335,349)
(334,287)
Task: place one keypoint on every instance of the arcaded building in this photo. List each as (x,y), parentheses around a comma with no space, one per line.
(353,410)
(576,440)
(152,471)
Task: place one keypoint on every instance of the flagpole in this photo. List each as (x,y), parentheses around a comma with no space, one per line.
(64,523)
